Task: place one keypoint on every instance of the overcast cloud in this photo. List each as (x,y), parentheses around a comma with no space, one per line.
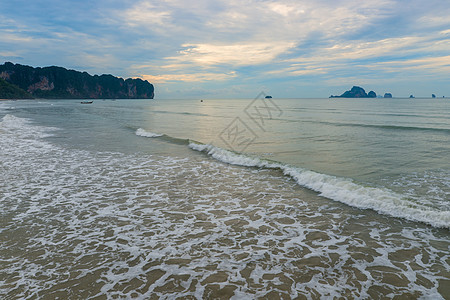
(235,48)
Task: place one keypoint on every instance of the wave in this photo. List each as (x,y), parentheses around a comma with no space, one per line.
(163,137)
(144,133)
(396,127)
(23,127)
(342,190)
(376,126)
(381,200)
(381,126)
(179,113)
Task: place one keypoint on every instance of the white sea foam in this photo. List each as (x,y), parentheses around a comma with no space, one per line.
(142,226)
(144,133)
(23,127)
(343,190)
(11,122)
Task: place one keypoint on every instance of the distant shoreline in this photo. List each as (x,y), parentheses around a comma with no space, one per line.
(212,99)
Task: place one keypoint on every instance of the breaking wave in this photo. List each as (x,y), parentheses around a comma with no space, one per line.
(343,190)
(144,133)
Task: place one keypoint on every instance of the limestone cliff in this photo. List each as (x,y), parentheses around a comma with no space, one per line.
(356,92)
(56,82)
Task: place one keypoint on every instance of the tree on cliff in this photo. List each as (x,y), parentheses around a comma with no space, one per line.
(10,91)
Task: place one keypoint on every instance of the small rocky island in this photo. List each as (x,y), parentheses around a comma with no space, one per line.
(25,82)
(356,92)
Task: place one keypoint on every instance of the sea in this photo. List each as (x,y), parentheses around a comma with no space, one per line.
(260,198)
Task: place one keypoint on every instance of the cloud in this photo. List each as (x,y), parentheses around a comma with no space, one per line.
(231,54)
(191,77)
(146,14)
(221,42)
(285,10)
(7,37)
(371,55)
(440,64)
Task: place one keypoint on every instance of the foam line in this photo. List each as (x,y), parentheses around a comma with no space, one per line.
(339,189)
(144,133)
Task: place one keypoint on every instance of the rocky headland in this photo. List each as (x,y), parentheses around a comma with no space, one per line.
(21,82)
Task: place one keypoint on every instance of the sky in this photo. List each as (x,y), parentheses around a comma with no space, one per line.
(236,49)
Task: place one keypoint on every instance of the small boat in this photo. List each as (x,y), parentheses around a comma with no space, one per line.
(268,97)
(87,102)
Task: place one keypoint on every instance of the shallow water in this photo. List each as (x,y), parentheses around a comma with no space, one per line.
(98,209)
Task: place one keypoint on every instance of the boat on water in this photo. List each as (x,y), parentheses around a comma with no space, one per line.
(268,97)
(87,102)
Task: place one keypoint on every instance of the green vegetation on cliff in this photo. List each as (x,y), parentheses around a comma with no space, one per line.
(57,82)
(10,91)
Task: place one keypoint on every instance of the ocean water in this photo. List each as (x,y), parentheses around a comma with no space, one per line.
(236,198)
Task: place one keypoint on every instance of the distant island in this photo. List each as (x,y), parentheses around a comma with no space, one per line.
(25,82)
(356,92)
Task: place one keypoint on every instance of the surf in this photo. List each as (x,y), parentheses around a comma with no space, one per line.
(343,190)
(144,133)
